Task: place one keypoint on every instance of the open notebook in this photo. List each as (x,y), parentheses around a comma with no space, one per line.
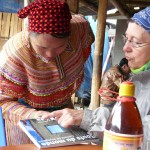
(2,130)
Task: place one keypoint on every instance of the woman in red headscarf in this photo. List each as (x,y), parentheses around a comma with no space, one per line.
(42,66)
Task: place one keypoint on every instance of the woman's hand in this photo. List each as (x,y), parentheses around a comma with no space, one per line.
(66,117)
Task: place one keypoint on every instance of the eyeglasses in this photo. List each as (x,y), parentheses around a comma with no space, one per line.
(133,43)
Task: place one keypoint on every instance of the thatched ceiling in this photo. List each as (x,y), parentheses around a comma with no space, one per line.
(125,7)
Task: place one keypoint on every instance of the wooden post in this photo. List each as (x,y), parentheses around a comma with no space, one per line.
(99,44)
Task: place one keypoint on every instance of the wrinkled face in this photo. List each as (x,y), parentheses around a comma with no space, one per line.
(48,46)
(137,46)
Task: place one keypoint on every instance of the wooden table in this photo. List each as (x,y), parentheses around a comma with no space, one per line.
(33,147)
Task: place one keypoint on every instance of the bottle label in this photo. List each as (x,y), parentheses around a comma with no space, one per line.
(117,141)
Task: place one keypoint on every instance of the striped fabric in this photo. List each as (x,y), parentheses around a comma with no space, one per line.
(42,85)
(14,135)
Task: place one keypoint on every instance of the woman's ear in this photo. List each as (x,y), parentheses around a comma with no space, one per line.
(124,66)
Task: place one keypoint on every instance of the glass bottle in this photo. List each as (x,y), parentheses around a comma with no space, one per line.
(124,130)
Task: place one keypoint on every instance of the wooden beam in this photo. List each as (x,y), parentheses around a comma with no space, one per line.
(120,8)
(5,25)
(116,15)
(137,3)
(73,5)
(98,53)
(1,15)
(13,24)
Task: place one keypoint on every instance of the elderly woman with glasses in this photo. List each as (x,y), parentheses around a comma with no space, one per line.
(137,51)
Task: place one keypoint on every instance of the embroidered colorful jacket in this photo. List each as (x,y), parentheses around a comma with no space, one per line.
(111,81)
(42,85)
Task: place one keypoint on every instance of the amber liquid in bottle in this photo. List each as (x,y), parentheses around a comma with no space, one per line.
(125,119)
(124,130)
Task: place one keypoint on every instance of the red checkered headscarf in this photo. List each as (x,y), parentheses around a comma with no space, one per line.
(47,16)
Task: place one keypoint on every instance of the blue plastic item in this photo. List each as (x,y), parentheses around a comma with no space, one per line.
(2,130)
(11,6)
